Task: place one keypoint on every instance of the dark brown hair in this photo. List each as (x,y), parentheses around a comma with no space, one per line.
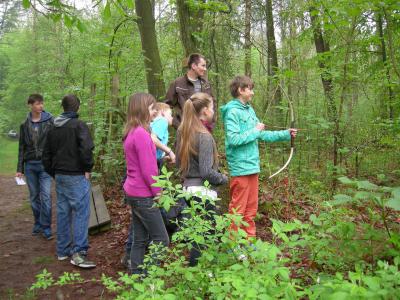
(240,82)
(194,58)
(70,103)
(35,98)
(138,111)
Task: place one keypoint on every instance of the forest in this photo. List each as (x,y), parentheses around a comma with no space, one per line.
(329,224)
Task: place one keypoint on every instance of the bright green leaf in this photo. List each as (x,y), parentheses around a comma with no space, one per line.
(396,193)
(129,3)
(366,185)
(56,17)
(372,283)
(363,195)
(107,11)
(81,26)
(26,4)
(393,203)
(68,21)
(345,180)
(341,199)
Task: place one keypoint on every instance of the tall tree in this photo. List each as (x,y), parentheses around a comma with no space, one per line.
(152,61)
(322,48)
(273,66)
(247,38)
(379,25)
(186,27)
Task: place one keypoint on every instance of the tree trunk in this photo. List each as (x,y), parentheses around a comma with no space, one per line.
(390,101)
(152,61)
(247,38)
(326,77)
(389,30)
(190,22)
(273,66)
(92,102)
(115,105)
(185,28)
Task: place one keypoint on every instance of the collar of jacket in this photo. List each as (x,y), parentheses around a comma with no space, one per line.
(202,79)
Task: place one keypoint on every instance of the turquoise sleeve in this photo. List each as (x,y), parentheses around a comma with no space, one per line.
(275,136)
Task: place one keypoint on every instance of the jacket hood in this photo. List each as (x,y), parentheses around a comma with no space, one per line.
(234,103)
(44,116)
(63,119)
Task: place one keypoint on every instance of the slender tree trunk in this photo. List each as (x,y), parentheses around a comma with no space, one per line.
(273,66)
(389,103)
(152,61)
(35,50)
(115,105)
(92,102)
(247,38)
(215,59)
(326,77)
(389,30)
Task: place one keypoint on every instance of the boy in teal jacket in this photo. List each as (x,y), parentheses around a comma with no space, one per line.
(242,132)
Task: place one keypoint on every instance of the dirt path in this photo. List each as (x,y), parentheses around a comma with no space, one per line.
(22,255)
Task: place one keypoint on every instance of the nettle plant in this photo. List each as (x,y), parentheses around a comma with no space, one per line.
(363,192)
(231,267)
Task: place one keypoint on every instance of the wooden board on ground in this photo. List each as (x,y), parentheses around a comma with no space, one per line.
(99,216)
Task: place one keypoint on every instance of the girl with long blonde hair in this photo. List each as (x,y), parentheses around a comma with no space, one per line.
(196,153)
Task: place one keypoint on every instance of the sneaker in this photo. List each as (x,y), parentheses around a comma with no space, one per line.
(36,231)
(242,257)
(238,251)
(80,260)
(61,258)
(126,261)
(47,235)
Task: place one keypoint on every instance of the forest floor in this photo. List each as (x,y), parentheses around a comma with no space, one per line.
(23,256)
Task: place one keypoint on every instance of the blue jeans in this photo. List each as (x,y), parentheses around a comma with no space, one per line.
(39,184)
(148,226)
(73,211)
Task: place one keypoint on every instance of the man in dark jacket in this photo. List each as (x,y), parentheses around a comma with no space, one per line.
(32,137)
(68,157)
(184,87)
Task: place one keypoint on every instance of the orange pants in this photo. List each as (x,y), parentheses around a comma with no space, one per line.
(244,200)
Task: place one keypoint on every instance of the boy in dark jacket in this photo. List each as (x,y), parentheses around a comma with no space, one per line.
(68,157)
(32,137)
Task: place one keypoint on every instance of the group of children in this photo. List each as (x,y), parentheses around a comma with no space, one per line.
(196,160)
(62,148)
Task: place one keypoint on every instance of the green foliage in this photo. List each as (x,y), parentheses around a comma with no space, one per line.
(232,267)
(383,283)
(8,156)
(43,280)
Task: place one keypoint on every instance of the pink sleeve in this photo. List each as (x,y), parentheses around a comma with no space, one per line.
(147,159)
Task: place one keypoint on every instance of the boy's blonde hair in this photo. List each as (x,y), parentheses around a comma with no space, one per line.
(161,107)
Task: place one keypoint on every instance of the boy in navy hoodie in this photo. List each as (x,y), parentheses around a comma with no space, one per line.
(32,138)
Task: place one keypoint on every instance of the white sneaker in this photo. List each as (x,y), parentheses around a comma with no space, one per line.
(79,260)
(61,258)
(242,257)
